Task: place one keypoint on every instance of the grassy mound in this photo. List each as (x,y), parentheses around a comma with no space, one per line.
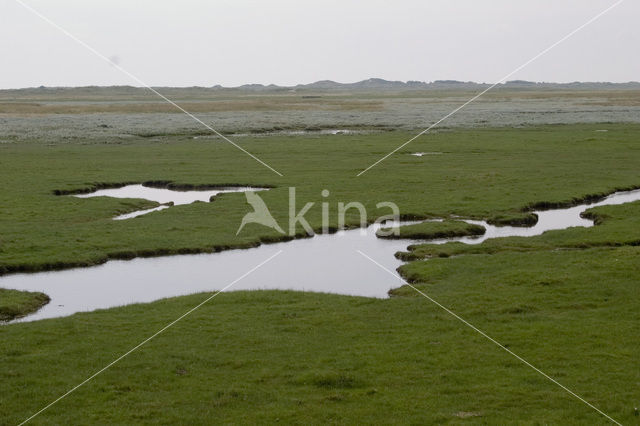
(435,230)
(15,304)
(515,219)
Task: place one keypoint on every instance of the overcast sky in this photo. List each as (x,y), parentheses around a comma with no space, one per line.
(204,43)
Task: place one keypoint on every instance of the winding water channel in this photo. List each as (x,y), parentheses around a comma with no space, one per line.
(166,197)
(324,263)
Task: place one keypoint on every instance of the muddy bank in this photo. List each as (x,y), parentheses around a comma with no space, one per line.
(576,201)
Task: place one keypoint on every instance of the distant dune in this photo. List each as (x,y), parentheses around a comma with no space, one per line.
(381,84)
(371,84)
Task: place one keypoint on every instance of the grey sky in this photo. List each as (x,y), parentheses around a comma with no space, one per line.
(197,42)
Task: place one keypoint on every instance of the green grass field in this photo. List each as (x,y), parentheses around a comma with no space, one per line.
(481,173)
(565,301)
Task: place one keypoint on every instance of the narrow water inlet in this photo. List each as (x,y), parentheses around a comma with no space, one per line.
(324,263)
(164,196)
(422,154)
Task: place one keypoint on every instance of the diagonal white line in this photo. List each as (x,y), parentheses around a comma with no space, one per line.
(494,85)
(482,333)
(142,83)
(149,338)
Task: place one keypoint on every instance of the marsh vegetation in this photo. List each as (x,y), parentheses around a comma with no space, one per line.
(564,300)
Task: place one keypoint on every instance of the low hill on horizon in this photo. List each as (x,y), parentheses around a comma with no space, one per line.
(371,84)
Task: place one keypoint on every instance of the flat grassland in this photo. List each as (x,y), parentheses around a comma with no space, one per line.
(565,301)
(479,173)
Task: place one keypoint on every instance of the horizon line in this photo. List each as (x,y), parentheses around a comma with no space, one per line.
(305,85)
